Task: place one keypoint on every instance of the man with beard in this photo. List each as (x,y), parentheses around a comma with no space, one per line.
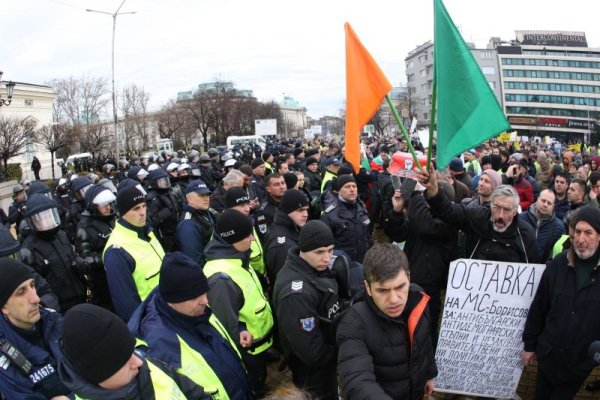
(564,318)
(541,218)
(493,233)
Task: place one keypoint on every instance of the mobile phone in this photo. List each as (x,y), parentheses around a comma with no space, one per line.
(396,182)
(408,187)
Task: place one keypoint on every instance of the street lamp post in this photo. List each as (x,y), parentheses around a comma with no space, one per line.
(114,95)
(10,87)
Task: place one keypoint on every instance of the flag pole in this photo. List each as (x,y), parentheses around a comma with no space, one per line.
(431,123)
(403,129)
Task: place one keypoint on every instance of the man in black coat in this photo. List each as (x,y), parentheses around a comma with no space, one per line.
(385,349)
(494,233)
(290,217)
(306,301)
(564,317)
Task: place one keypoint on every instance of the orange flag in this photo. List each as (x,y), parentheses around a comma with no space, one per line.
(366,86)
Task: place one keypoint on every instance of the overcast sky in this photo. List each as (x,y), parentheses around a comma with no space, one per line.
(268,46)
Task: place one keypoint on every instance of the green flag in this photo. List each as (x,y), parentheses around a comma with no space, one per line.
(468,112)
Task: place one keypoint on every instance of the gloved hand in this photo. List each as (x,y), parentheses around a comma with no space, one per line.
(164,214)
(81,266)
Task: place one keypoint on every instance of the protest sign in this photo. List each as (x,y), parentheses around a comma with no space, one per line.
(479,346)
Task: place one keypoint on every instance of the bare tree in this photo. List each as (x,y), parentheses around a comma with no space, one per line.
(14,135)
(171,119)
(200,113)
(95,139)
(53,138)
(135,110)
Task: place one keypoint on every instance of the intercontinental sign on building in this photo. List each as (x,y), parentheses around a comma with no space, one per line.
(551,38)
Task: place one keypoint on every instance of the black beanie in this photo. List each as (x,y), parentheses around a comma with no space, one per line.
(290,179)
(129,197)
(236,196)
(311,160)
(266,155)
(233,226)
(344,179)
(311,152)
(256,162)
(313,235)
(486,160)
(181,278)
(13,273)
(96,342)
(589,214)
(292,200)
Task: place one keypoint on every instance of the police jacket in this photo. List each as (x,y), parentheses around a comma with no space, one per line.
(198,347)
(258,185)
(163,215)
(312,180)
(281,237)
(349,223)
(16,213)
(194,231)
(73,218)
(41,347)
(547,231)
(265,215)
(306,303)
(92,234)
(207,176)
(132,259)
(154,381)
(386,358)
(563,321)
(51,255)
(516,244)
(217,199)
(236,295)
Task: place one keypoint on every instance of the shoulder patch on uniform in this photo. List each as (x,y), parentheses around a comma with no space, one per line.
(328,209)
(4,362)
(307,324)
(281,239)
(297,285)
(262,228)
(188,215)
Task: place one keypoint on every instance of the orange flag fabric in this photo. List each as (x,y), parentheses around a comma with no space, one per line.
(366,86)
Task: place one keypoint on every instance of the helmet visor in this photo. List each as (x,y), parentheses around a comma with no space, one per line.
(163,183)
(45,220)
(103,198)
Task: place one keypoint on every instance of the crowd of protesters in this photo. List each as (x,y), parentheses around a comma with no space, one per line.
(187,273)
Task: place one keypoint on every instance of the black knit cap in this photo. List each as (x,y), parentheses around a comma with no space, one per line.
(235,196)
(311,152)
(589,214)
(290,179)
(292,200)
(311,160)
(233,226)
(344,179)
(181,278)
(256,162)
(313,235)
(96,342)
(129,197)
(13,273)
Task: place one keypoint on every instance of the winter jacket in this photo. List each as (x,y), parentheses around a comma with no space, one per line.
(281,237)
(194,231)
(385,358)
(547,231)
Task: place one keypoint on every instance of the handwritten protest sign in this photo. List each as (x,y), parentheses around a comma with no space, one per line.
(479,346)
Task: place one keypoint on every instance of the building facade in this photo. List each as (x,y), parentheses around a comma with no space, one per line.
(551,84)
(294,117)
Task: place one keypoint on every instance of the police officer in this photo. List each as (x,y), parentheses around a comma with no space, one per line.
(236,295)
(196,226)
(163,208)
(333,166)
(206,172)
(290,217)
(61,194)
(77,191)
(132,255)
(275,188)
(30,334)
(348,220)
(16,211)
(98,361)
(180,329)
(306,302)
(93,230)
(48,250)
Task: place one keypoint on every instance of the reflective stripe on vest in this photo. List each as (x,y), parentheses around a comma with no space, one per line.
(257,259)
(256,312)
(147,256)
(164,387)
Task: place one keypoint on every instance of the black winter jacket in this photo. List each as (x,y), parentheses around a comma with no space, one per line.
(281,236)
(546,233)
(377,357)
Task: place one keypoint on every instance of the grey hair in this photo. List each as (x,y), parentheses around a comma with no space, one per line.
(233,177)
(506,191)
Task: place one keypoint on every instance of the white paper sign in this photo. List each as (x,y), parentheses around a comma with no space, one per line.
(480,341)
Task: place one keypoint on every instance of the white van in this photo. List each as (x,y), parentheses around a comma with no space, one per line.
(233,140)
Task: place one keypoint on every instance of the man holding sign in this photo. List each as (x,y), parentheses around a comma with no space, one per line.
(564,318)
(493,233)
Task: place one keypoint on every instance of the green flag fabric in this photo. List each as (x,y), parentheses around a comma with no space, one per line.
(468,112)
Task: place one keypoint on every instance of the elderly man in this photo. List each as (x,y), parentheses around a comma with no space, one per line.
(493,233)
(30,336)
(564,318)
(541,218)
